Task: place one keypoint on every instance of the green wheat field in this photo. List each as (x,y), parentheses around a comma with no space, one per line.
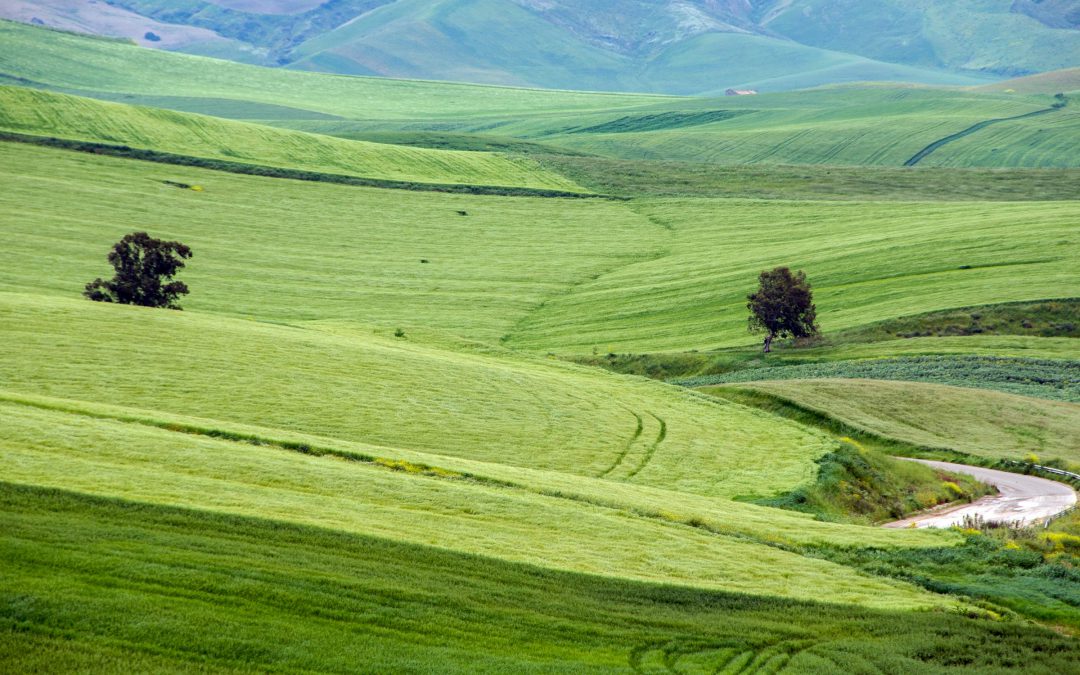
(464,381)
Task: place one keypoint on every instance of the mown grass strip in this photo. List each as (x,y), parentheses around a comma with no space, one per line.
(147,155)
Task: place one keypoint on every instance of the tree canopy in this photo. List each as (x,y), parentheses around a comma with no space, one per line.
(783,306)
(142,264)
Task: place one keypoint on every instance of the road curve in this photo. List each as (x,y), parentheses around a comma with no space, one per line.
(1022,499)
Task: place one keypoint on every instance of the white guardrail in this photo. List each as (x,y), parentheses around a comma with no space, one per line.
(1057,472)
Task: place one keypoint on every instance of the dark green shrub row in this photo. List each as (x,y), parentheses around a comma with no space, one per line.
(127,152)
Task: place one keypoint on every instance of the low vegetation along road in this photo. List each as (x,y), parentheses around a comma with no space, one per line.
(1021,499)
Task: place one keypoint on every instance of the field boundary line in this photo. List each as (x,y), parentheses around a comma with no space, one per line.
(938,144)
(265,171)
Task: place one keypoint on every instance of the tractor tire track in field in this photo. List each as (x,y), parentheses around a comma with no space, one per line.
(938,144)
(652,448)
(627,447)
(728,657)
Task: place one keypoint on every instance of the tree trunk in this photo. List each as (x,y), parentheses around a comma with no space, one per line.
(768,343)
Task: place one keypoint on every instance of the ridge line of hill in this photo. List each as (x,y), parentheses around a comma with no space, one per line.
(148,155)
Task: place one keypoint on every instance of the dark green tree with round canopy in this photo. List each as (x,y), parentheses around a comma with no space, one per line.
(783,306)
(142,265)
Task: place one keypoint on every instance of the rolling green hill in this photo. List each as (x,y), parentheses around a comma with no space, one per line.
(85,66)
(843,126)
(38,113)
(326,601)
(690,47)
(349,385)
(867,262)
(986,424)
(281,402)
(833,126)
(362,445)
(673,278)
(263,242)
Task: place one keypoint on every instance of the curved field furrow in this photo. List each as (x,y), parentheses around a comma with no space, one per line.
(629,445)
(651,449)
(938,144)
(1041,142)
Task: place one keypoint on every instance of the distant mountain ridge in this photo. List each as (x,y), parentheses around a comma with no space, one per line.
(671,46)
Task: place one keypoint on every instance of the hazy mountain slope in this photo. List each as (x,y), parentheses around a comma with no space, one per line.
(1055,81)
(993,36)
(641,45)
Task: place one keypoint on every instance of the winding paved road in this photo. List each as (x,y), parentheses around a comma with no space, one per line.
(1023,499)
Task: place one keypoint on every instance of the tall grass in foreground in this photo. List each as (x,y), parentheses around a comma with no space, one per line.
(191,590)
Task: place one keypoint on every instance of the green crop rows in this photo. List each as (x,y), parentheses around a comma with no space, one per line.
(361,446)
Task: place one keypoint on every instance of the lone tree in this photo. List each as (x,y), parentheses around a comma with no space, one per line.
(783,306)
(142,263)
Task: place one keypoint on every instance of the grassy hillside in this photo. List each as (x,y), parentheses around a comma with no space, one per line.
(260,243)
(982,423)
(867,262)
(66,61)
(1043,141)
(328,600)
(834,126)
(631,46)
(357,446)
(660,178)
(40,113)
(671,279)
(112,459)
(352,386)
